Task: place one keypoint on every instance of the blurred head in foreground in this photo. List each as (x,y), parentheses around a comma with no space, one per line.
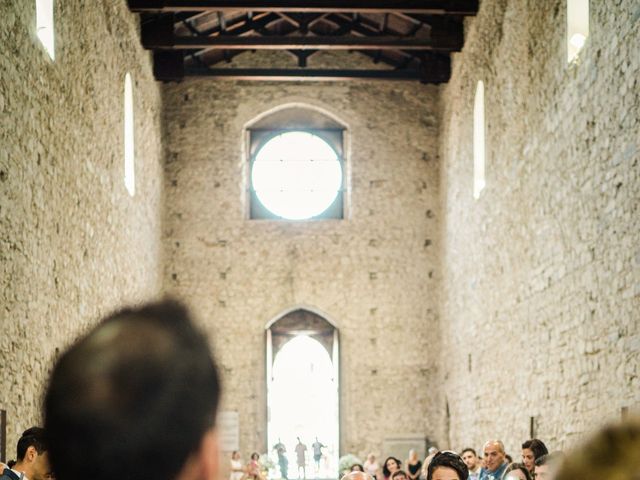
(611,454)
(136,397)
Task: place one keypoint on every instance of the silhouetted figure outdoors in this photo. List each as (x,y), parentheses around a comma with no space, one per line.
(135,398)
(317,452)
(301,457)
(32,458)
(283,461)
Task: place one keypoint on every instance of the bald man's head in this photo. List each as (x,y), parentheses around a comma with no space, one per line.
(357,476)
(494,455)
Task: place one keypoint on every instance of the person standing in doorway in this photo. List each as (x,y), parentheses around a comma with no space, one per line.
(317,453)
(301,454)
(283,461)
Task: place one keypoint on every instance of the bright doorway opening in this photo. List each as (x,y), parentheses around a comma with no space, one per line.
(303,406)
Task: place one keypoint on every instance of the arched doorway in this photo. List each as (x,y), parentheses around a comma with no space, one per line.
(303,395)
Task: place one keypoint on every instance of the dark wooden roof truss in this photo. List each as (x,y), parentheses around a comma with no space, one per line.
(404,39)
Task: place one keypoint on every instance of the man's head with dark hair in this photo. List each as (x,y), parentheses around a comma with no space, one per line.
(31,437)
(32,454)
(136,397)
(450,460)
(470,458)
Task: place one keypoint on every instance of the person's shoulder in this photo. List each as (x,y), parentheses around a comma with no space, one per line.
(7,474)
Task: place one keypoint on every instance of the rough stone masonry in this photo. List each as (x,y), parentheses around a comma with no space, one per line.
(459,319)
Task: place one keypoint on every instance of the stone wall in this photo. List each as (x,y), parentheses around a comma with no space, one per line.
(541,291)
(374,273)
(73,243)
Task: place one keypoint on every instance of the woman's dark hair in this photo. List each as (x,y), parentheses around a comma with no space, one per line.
(536,446)
(255,456)
(518,466)
(356,467)
(448,460)
(385,470)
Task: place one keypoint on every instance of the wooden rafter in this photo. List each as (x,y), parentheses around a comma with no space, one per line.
(412,37)
(433,7)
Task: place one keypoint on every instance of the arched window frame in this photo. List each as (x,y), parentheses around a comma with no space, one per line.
(129,136)
(479,141)
(577,28)
(45,26)
(260,131)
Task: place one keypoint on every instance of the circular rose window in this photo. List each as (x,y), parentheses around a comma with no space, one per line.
(296,175)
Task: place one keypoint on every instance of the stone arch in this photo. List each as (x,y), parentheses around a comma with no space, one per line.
(284,327)
(295,321)
(297,114)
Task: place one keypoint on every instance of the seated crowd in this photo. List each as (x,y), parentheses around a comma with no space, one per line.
(495,464)
(136,398)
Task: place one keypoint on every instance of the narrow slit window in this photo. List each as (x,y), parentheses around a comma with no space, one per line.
(478,141)
(129,147)
(44,25)
(577,27)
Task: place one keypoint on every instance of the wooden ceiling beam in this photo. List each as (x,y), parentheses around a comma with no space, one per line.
(162,40)
(431,7)
(307,74)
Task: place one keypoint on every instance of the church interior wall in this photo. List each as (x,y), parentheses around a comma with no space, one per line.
(459,319)
(540,296)
(373,273)
(74,244)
